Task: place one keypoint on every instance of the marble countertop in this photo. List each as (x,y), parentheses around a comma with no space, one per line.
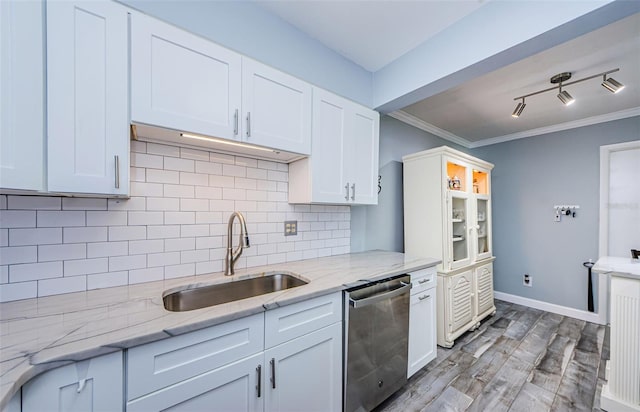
(44,333)
(618,266)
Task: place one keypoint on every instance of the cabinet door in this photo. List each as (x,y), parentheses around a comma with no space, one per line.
(422,330)
(182,81)
(21,95)
(483,227)
(87,101)
(305,374)
(328,160)
(361,155)
(90,385)
(484,288)
(459,225)
(276,108)
(461,304)
(236,387)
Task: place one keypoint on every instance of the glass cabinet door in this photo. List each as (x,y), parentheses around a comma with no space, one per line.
(483,227)
(459,242)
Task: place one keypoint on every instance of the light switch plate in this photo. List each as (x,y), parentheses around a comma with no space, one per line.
(290,227)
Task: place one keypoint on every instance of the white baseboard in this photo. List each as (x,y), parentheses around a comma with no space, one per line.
(550,307)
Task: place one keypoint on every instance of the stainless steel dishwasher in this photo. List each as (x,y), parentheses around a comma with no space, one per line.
(376,341)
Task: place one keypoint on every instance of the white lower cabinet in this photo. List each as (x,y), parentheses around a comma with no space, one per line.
(234,367)
(422,320)
(90,385)
(305,374)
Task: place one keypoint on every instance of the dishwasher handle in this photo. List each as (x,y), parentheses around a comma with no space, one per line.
(359,303)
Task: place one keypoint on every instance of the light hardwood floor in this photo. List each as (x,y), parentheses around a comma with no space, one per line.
(520,359)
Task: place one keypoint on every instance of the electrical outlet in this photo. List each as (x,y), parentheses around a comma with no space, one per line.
(527,280)
(290,227)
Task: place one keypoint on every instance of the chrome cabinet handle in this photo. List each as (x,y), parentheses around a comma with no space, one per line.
(248,124)
(353,191)
(273,372)
(346,187)
(423,297)
(117,165)
(235,123)
(421,281)
(259,385)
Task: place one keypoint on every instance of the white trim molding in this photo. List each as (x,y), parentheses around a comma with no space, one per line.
(549,307)
(428,127)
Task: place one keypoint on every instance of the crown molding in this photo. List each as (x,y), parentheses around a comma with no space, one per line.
(428,127)
(622,114)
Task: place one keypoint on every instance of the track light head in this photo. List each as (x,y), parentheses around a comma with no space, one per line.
(565,97)
(611,84)
(519,108)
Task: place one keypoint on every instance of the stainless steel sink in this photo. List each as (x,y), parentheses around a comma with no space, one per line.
(205,296)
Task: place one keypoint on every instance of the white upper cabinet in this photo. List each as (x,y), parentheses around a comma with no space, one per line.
(182,81)
(343,166)
(21,95)
(276,108)
(87,99)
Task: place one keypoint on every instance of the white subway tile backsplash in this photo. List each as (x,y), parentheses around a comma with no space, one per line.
(146,160)
(195,179)
(163,232)
(178,191)
(163,203)
(163,176)
(106,249)
(110,218)
(107,280)
(146,275)
(48,253)
(179,271)
(139,247)
(17,291)
(174,225)
(182,165)
(117,263)
(85,266)
(64,218)
(35,271)
(58,286)
(145,218)
(179,218)
(17,218)
(117,233)
(18,254)
(133,203)
(163,259)
(83,203)
(34,202)
(40,236)
(194,154)
(84,234)
(163,150)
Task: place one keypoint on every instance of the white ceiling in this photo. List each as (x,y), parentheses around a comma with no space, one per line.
(373,33)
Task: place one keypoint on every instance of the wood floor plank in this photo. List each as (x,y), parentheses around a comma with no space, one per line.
(535,345)
(522,326)
(576,389)
(450,400)
(548,372)
(571,328)
(532,398)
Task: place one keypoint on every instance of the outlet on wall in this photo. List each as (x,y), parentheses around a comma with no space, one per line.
(527,280)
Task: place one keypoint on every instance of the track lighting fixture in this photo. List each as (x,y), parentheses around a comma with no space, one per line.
(519,109)
(609,83)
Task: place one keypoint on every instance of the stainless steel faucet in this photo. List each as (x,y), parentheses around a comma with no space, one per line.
(232,256)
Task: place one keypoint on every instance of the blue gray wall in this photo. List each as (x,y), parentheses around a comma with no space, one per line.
(381,226)
(532,175)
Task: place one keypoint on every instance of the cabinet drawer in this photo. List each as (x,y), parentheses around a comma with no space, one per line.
(423,279)
(163,363)
(289,322)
